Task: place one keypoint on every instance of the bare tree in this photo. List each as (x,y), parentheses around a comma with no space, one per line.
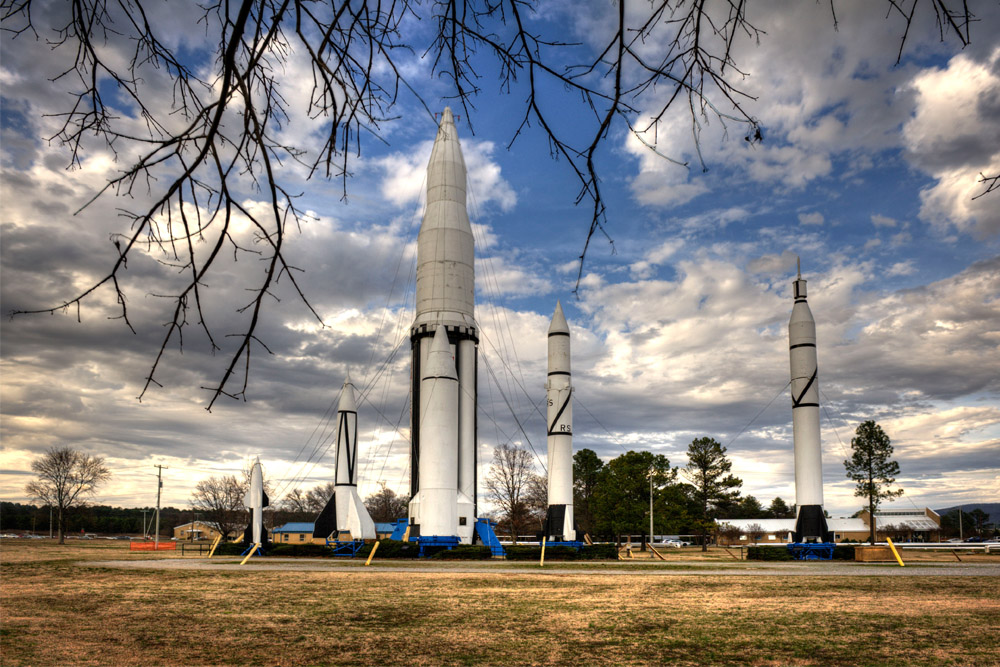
(384,505)
(507,486)
(317,497)
(295,501)
(536,499)
(220,500)
(200,152)
(754,532)
(66,478)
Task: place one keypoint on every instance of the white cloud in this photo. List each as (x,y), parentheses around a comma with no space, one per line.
(901,269)
(814,218)
(883,221)
(954,135)
(404,176)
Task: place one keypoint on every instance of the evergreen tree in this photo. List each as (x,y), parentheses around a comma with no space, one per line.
(621,497)
(587,469)
(872,469)
(708,472)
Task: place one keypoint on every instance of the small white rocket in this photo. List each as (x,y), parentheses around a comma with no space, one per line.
(810,523)
(445,302)
(559,521)
(345,512)
(255,500)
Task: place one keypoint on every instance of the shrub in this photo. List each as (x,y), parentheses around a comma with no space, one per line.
(230,549)
(463,552)
(391,549)
(300,550)
(769,553)
(598,552)
(535,553)
(843,552)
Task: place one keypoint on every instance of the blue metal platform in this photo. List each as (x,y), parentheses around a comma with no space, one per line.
(812,550)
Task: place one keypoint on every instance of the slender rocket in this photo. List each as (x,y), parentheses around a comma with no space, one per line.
(345,512)
(810,523)
(445,302)
(255,500)
(559,520)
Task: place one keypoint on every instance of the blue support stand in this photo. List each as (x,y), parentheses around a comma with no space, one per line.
(488,536)
(812,550)
(347,549)
(447,541)
(260,552)
(399,529)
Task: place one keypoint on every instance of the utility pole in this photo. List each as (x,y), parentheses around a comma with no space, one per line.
(145,533)
(159,487)
(651,472)
(961,535)
(50,522)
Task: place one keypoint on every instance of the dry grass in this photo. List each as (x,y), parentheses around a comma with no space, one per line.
(57,613)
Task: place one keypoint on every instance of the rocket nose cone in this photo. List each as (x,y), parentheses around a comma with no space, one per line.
(347,402)
(558,324)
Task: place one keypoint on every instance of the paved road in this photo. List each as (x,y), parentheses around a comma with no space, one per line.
(783,569)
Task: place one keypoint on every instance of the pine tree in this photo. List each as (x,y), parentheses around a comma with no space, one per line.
(871,467)
(708,471)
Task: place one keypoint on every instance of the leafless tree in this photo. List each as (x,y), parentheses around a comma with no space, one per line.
(507,486)
(66,479)
(295,501)
(317,497)
(728,531)
(384,505)
(219,138)
(536,499)
(220,501)
(754,531)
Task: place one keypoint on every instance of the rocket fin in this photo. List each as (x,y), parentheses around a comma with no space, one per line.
(326,522)
(265,502)
(247,500)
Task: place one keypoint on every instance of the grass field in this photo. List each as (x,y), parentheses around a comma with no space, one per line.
(55,612)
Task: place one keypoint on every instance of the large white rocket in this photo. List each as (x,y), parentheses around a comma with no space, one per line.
(443,407)
(345,512)
(810,522)
(559,520)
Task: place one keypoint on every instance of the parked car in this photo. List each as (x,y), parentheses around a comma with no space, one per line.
(955,539)
(674,544)
(975,538)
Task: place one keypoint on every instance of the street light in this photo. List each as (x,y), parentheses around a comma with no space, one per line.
(652,471)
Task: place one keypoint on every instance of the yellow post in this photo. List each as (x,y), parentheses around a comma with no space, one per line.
(375,548)
(542,562)
(252,552)
(211,551)
(894,552)
(406,535)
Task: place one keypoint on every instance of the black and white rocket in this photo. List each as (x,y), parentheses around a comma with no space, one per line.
(345,512)
(255,499)
(445,302)
(559,521)
(810,521)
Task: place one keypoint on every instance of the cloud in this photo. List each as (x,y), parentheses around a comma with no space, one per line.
(404,176)
(814,218)
(901,269)
(883,221)
(953,136)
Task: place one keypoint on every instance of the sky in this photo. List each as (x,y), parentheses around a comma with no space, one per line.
(866,172)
